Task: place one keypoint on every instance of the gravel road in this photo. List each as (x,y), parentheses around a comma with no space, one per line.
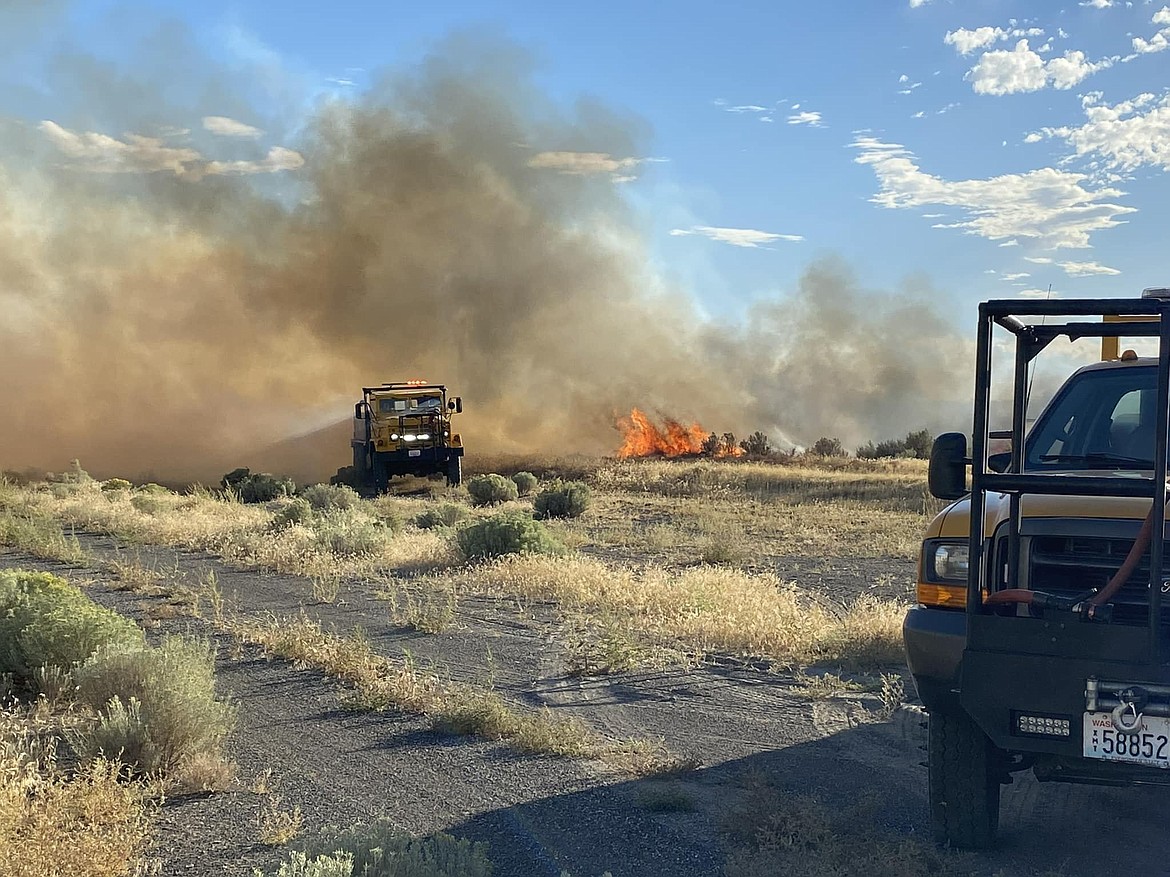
(542,815)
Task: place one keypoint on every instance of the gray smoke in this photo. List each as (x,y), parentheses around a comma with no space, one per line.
(174,301)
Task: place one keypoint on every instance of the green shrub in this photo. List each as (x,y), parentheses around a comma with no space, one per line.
(756,445)
(152,489)
(509,533)
(232,480)
(491,489)
(525,482)
(147,503)
(298,511)
(350,535)
(263,487)
(562,499)
(381,850)
(73,475)
(156,706)
(446,515)
(47,622)
(390,518)
(301,865)
(325,497)
(116,484)
(828,446)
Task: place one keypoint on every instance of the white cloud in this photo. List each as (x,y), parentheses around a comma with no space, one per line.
(914,4)
(1038,260)
(918,115)
(104,154)
(1020,70)
(1086,269)
(1012,243)
(225,127)
(1038,293)
(100,153)
(1159,41)
(1019,275)
(1124,136)
(584,163)
(903,78)
(1096,4)
(278,159)
(967,41)
(1048,206)
(737,237)
(812,119)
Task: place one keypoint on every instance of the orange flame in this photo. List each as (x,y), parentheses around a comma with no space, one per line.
(642,438)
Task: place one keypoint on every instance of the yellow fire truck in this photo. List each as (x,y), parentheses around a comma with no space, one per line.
(403,428)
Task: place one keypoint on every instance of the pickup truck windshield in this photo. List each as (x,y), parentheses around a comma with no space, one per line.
(1102,419)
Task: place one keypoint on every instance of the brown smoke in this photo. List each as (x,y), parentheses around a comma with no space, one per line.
(174,306)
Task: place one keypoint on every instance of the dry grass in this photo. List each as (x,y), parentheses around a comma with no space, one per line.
(278,824)
(33,531)
(86,824)
(729,517)
(709,608)
(381,683)
(679,529)
(347,542)
(773,833)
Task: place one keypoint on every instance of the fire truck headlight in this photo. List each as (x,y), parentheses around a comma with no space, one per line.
(393,436)
(423,436)
(409,437)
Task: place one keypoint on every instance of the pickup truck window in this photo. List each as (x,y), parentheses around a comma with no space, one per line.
(1102,419)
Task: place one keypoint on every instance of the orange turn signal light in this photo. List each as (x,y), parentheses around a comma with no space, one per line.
(947,596)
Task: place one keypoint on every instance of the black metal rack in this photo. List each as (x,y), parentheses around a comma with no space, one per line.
(1031,339)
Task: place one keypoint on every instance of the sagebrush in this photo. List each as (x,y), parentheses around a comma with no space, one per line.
(156,707)
(563,499)
(47,622)
(508,533)
(492,489)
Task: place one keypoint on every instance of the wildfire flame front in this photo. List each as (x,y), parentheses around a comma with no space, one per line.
(643,438)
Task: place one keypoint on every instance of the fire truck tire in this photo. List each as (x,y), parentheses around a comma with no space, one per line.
(454,471)
(964,782)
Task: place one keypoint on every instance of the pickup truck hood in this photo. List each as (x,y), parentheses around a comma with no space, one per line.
(954,520)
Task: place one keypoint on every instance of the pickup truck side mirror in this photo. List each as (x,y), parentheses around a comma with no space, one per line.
(948,466)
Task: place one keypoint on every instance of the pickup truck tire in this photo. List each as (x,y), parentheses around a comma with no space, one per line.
(964,782)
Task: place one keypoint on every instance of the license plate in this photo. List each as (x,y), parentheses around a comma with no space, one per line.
(1150,745)
(414,453)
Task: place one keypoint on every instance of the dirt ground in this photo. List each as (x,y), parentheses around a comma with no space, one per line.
(298,746)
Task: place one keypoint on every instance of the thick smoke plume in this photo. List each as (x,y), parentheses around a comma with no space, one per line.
(176,297)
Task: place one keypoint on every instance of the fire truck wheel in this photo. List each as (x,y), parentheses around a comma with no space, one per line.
(454,471)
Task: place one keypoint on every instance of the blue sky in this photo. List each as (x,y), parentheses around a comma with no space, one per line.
(991,148)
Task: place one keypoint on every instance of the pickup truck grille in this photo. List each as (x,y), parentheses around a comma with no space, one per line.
(1074,564)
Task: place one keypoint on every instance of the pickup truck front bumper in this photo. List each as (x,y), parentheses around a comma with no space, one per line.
(934,640)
